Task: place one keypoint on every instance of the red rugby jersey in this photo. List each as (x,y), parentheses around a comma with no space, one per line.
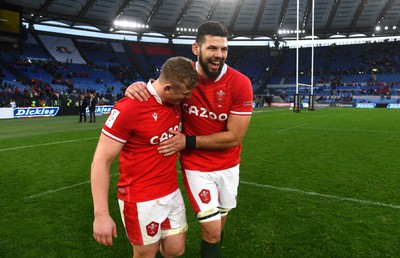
(207,111)
(141,126)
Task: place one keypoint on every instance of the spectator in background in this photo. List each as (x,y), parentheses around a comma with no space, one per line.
(13,104)
(83,103)
(92,107)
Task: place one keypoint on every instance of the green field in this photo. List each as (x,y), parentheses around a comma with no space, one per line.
(313,184)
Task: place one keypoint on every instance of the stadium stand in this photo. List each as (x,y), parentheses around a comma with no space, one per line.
(345,73)
(121,54)
(33,50)
(97,53)
(62,49)
(65,67)
(156,55)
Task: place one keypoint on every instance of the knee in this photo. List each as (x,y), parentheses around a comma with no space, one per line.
(173,245)
(173,251)
(212,237)
(211,231)
(178,252)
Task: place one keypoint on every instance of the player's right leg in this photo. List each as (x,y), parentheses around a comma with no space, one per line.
(148,222)
(203,196)
(145,251)
(144,234)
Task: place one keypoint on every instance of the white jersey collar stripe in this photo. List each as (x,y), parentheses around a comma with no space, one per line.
(153,92)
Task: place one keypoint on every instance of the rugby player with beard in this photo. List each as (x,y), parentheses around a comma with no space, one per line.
(215,120)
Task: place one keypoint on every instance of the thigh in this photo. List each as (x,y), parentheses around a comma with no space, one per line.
(228,182)
(142,222)
(146,222)
(210,190)
(174,227)
(202,190)
(173,245)
(176,218)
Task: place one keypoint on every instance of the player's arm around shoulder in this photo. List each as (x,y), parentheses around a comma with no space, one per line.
(137,90)
(236,129)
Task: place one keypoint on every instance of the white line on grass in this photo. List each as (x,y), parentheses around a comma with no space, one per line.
(290,128)
(55,190)
(365,202)
(60,189)
(45,144)
(350,130)
(270,111)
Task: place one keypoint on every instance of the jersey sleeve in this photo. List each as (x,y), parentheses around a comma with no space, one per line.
(122,121)
(243,96)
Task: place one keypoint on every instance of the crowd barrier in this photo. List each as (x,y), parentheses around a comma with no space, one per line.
(32,112)
(342,105)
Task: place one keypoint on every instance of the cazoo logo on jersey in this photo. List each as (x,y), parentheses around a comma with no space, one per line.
(164,136)
(202,112)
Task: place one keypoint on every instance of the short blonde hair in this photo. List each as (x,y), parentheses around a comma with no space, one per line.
(179,72)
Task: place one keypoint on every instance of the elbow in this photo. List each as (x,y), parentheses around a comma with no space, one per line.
(236,142)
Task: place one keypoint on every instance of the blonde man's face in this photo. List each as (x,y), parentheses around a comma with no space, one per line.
(177,94)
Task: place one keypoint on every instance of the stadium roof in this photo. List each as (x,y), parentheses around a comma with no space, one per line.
(244,18)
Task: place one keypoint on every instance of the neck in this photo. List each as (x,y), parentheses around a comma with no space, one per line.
(158,87)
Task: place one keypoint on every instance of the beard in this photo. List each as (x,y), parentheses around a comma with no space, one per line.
(204,65)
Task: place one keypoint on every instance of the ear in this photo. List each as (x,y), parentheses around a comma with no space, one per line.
(195,49)
(167,88)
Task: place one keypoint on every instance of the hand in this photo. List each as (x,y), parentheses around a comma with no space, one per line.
(137,90)
(170,146)
(104,229)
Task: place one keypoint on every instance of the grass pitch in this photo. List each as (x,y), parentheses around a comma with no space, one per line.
(313,184)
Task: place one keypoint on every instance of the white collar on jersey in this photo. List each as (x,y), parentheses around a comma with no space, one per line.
(153,92)
(223,71)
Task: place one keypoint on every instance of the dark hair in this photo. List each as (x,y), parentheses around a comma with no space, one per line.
(211,28)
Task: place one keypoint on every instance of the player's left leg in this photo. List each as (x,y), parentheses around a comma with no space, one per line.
(173,229)
(210,238)
(173,245)
(145,251)
(229,183)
